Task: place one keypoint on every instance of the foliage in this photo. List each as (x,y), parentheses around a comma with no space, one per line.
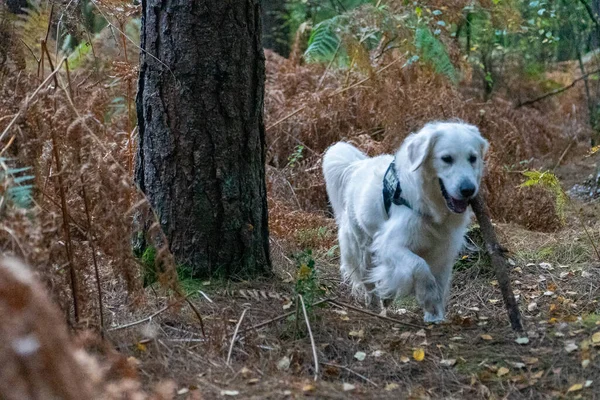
(433,51)
(15,186)
(550,182)
(307,278)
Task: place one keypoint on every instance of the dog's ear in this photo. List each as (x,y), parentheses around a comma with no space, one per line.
(419,148)
(485,145)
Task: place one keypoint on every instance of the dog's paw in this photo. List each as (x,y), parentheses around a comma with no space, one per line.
(433,318)
(429,296)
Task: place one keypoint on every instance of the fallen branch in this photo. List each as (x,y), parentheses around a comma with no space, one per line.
(372,314)
(496,253)
(237,327)
(352,372)
(312,339)
(557,91)
(280,317)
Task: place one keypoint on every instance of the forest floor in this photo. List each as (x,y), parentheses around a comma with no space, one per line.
(556,277)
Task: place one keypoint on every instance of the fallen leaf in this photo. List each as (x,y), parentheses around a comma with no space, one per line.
(419,354)
(421,333)
(283,364)
(308,388)
(404,359)
(532,306)
(522,340)
(502,371)
(487,337)
(537,375)
(585,363)
(360,355)
(588,384)
(391,386)
(253,381)
(229,392)
(516,364)
(547,266)
(570,347)
(377,353)
(576,387)
(346,387)
(359,334)
(141,347)
(450,362)
(530,360)
(596,337)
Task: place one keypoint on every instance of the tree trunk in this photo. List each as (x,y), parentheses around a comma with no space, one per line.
(201,152)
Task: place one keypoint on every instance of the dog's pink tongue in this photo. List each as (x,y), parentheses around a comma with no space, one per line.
(459,206)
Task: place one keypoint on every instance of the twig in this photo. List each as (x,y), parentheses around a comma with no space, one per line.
(148,318)
(557,91)
(237,327)
(562,156)
(372,314)
(205,296)
(496,253)
(280,317)
(351,371)
(29,98)
(312,339)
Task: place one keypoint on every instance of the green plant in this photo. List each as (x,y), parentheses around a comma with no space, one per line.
(433,51)
(307,278)
(550,182)
(15,186)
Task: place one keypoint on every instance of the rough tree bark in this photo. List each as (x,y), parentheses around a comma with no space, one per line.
(201,152)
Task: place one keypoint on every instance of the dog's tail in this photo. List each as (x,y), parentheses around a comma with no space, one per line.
(336,163)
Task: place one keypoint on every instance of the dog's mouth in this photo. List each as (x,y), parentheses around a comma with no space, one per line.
(455,205)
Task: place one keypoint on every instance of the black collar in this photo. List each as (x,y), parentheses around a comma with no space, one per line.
(392,192)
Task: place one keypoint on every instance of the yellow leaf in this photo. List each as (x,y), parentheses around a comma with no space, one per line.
(503,371)
(141,347)
(419,354)
(596,337)
(391,386)
(308,388)
(576,387)
(486,337)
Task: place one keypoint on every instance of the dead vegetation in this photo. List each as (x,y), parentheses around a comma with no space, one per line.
(77,133)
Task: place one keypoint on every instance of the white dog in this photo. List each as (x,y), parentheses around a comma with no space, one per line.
(402,218)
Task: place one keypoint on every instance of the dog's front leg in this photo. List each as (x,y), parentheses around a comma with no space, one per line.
(399,272)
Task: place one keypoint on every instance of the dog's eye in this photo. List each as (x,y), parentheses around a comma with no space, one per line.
(447,159)
(472,159)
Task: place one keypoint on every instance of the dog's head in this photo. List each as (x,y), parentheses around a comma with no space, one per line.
(452,154)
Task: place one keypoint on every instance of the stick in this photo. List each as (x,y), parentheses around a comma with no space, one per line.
(557,91)
(237,327)
(312,339)
(496,253)
(148,318)
(280,317)
(352,372)
(372,314)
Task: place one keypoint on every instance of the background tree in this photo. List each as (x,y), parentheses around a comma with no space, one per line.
(201,135)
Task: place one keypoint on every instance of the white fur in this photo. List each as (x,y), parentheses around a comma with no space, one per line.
(409,251)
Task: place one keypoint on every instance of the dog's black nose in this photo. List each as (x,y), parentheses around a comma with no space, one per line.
(467,189)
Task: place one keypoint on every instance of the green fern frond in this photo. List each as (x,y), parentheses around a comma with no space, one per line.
(550,182)
(324,41)
(15,186)
(433,51)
